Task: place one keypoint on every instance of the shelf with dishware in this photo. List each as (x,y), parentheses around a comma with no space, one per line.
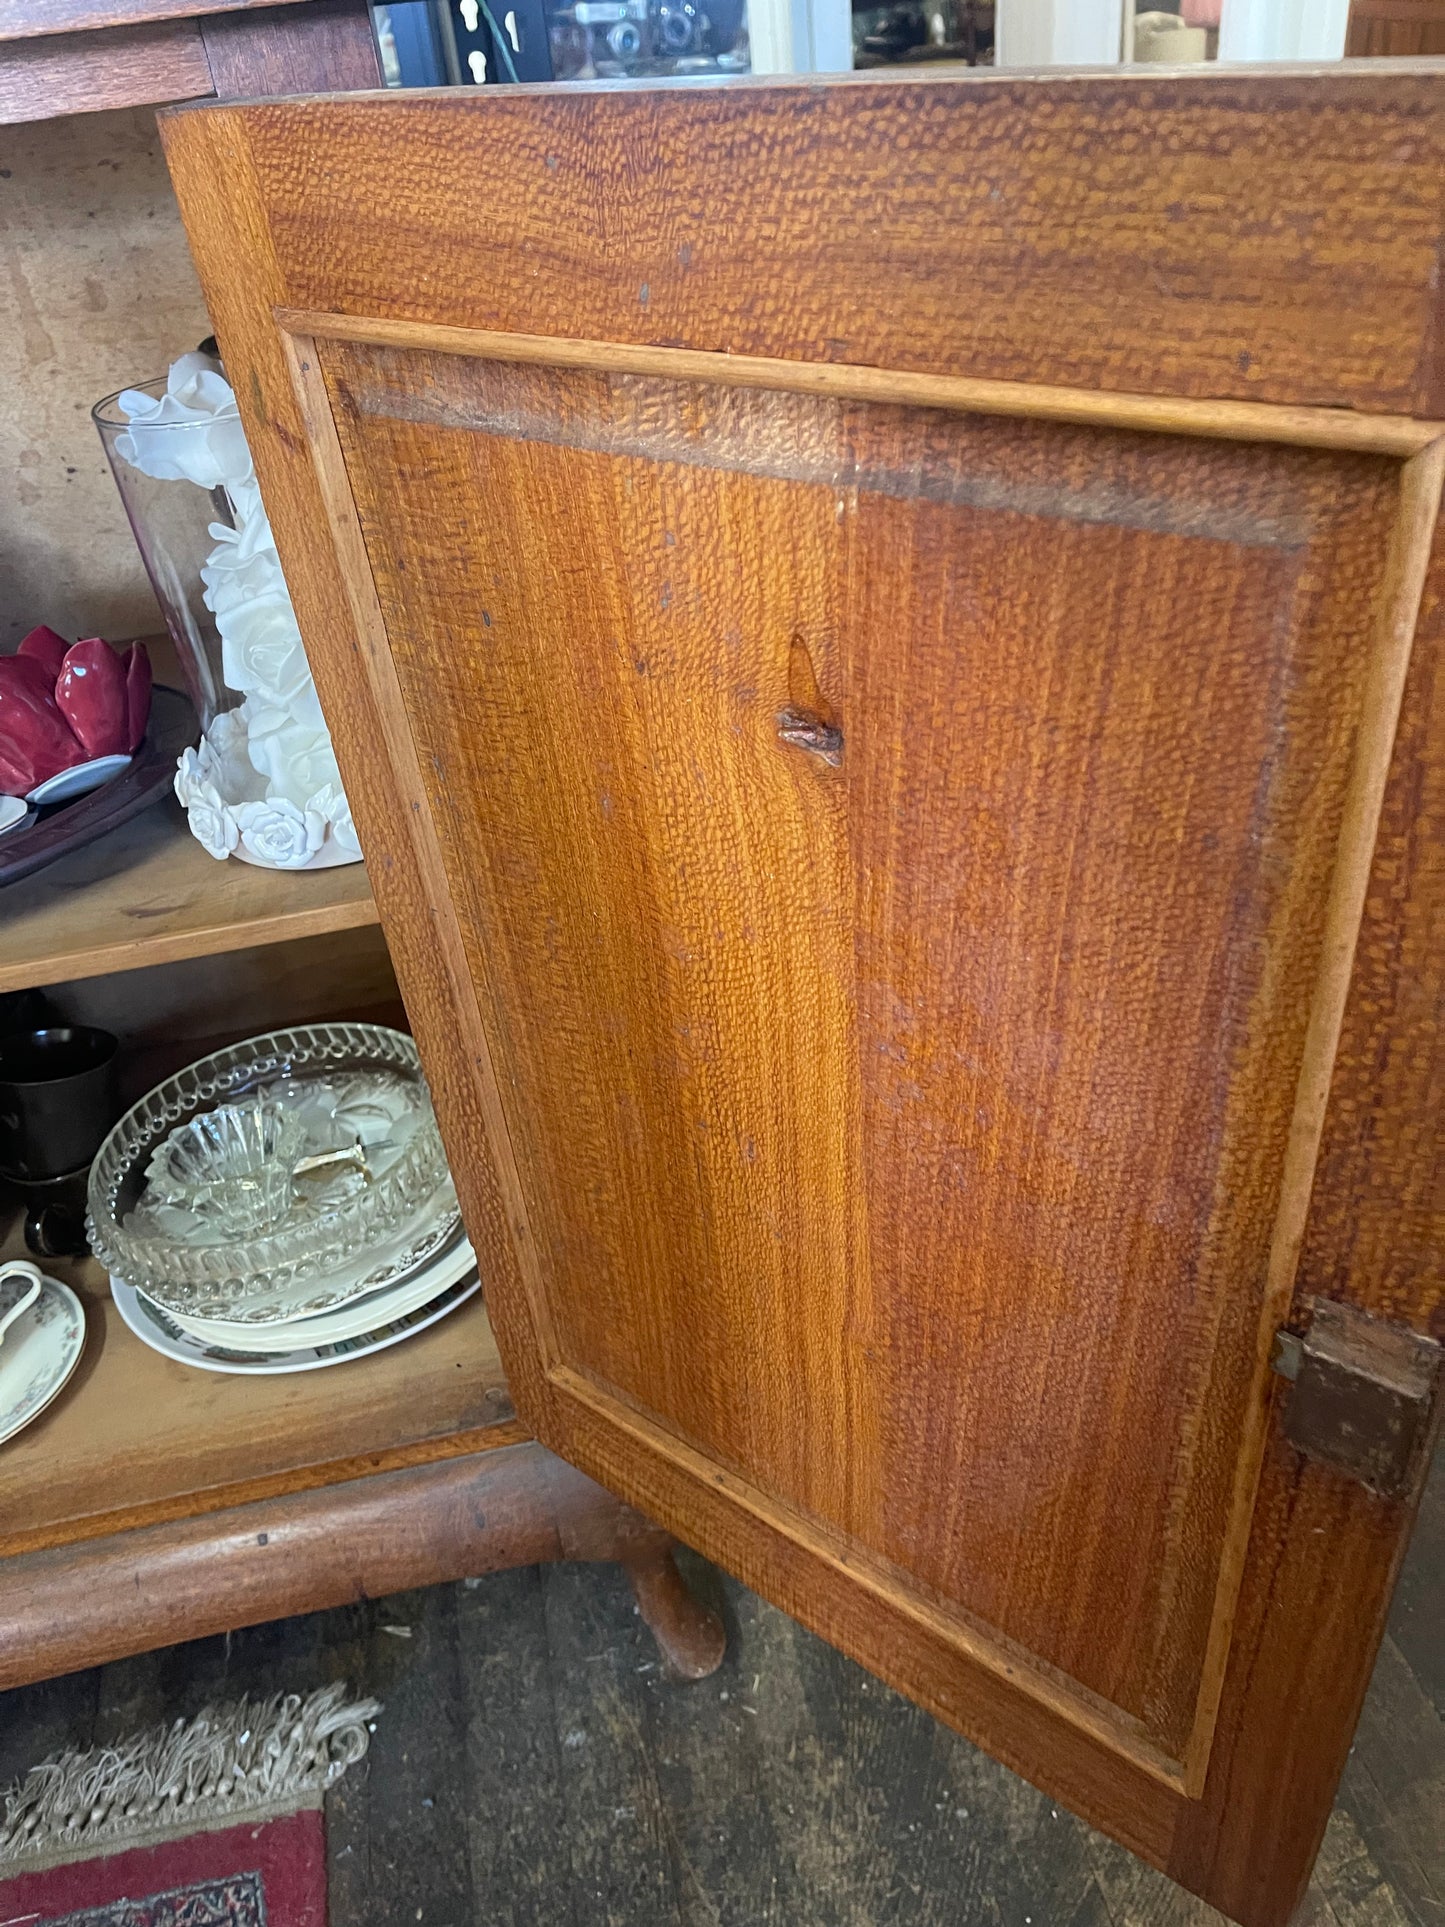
(153,1503)
(138,1439)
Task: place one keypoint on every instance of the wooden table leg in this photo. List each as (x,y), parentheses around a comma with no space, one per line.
(591,1524)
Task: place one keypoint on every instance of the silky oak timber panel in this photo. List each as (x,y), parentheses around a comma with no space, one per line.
(949,1071)
(1286,252)
(954,1346)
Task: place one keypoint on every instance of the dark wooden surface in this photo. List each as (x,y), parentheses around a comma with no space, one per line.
(533,1767)
(1080,268)
(326,46)
(116,67)
(1395,28)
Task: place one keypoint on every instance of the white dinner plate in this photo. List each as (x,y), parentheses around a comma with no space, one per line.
(363,1315)
(38,1353)
(156,1328)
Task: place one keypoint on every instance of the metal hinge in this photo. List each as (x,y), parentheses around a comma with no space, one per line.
(1364,1395)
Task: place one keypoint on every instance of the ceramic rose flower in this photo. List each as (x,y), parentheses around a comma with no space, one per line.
(331,804)
(242,566)
(296,759)
(262,654)
(211,452)
(279,834)
(212,823)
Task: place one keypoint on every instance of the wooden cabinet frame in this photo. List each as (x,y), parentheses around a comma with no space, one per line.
(209,1505)
(1237,1814)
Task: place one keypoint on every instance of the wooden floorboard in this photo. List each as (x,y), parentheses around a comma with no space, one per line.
(534,1766)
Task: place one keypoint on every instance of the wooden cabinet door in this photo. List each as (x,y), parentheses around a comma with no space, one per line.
(871,630)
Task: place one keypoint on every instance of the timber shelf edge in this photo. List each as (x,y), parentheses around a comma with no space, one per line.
(137,1440)
(147,893)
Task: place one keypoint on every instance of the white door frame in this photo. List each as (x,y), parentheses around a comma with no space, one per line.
(1090,33)
(801,36)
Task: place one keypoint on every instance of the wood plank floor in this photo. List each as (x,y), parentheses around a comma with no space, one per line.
(533,1766)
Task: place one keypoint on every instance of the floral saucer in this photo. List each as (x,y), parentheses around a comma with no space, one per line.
(38,1352)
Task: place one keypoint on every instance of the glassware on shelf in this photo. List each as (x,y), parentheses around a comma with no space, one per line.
(171,520)
(266,1164)
(262,785)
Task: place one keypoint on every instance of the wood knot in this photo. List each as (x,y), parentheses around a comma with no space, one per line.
(810,721)
(807,731)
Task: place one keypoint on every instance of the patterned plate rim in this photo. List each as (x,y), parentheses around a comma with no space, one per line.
(422,1251)
(138,1312)
(63,1290)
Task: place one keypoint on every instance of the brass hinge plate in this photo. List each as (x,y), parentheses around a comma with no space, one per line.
(1364,1397)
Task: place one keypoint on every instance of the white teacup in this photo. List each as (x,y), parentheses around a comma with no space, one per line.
(13,1302)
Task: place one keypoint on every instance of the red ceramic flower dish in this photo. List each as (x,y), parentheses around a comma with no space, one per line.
(63,704)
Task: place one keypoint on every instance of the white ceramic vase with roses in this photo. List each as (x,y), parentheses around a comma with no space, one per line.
(263,784)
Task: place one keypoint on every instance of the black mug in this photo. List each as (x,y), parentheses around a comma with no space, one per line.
(57,1100)
(55,1214)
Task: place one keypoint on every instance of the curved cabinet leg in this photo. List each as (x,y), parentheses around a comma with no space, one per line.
(591,1524)
(690,1635)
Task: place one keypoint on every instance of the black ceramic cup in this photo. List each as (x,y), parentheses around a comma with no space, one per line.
(57,1100)
(55,1215)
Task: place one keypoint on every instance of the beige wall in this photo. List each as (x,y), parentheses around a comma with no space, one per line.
(96,290)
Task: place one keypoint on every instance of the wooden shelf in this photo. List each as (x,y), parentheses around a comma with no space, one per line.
(149,894)
(136,1439)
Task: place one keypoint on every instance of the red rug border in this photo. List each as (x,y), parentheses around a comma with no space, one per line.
(289,1853)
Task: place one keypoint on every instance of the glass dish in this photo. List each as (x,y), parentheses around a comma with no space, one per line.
(182,1202)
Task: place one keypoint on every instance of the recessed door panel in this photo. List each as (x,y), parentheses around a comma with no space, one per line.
(903,1118)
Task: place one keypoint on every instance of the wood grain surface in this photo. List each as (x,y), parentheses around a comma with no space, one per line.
(1013,1003)
(1236,421)
(875,888)
(409,1526)
(322,46)
(1043,250)
(29,19)
(89,73)
(149,894)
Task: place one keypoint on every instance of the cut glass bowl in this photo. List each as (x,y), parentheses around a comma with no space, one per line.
(264,1165)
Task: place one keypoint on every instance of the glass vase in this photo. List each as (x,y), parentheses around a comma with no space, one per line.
(262,784)
(171,522)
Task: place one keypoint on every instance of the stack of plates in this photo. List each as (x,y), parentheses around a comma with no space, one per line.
(424,1273)
(282,1204)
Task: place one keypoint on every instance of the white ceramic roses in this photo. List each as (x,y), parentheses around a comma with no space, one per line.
(278,834)
(263,784)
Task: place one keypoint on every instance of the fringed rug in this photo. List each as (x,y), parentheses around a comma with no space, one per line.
(212,1822)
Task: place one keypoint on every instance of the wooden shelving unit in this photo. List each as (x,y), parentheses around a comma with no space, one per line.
(149,894)
(136,1439)
(152,1502)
